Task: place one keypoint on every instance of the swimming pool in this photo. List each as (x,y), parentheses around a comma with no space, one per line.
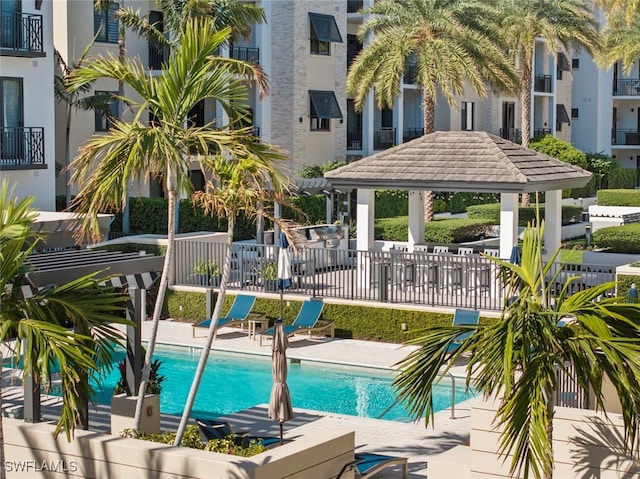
(233,382)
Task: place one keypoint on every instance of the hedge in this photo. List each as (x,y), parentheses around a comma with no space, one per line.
(624,283)
(570,213)
(619,239)
(351,321)
(621,178)
(618,197)
(456,230)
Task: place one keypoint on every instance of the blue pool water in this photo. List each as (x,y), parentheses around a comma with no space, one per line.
(233,382)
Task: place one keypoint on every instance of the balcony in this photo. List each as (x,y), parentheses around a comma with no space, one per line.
(22,148)
(411,134)
(354,140)
(21,35)
(511,134)
(627,87)
(354,5)
(384,138)
(245,54)
(542,83)
(541,132)
(625,137)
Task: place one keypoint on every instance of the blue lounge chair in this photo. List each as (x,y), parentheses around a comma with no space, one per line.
(463,317)
(211,429)
(238,313)
(366,464)
(306,321)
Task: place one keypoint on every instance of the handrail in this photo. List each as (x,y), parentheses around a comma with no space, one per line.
(453,399)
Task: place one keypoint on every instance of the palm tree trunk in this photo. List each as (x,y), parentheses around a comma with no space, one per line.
(3,474)
(429,112)
(204,357)
(162,289)
(525,100)
(547,468)
(121,55)
(67,158)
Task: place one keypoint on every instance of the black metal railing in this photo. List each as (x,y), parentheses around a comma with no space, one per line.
(542,83)
(629,136)
(627,87)
(22,148)
(354,140)
(21,32)
(157,56)
(410,74)
(411,134)
(353,6)
(245,54)
(541,132)
(384,138)
(511,134)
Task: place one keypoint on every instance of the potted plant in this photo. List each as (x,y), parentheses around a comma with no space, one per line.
(269,275)
(207,273)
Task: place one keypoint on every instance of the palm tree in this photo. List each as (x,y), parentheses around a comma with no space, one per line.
(69,326)
(167,145)
(628,8)
(516,358)
(621,41)
(238,186)
(450,43)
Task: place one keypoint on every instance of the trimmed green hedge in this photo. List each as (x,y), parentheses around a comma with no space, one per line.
(456,230)
(570,213)
(619,239)
(351,321)
(621,197)
(621,178)
(624,283)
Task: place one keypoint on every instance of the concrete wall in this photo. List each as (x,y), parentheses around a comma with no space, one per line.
(95,455)
(585,443)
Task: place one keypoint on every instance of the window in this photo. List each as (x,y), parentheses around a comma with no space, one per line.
(11,119)
(575,63)
(105,23)
(574,113)
(562,65)
(561,116)
(323,107)
(324,30)
(106,110)
(466,114)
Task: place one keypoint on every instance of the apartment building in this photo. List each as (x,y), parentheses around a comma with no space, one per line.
(27,155)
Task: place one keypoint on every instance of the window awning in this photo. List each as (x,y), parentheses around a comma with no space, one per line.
(324,104)
(563,62)
(561,114)
(324,28)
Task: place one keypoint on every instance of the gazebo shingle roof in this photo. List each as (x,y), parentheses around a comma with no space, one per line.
(460,161)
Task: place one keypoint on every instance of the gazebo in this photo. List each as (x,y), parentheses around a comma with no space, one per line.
(471,161)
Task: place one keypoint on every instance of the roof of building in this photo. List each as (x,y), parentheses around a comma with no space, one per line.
(472,161)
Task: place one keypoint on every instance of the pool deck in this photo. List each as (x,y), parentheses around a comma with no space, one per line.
(441,446)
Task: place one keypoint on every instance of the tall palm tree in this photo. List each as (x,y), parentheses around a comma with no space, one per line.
(69,326)
(628,8)
(167,145)
(240,185)
(448,40)
(621,41)
(515,359)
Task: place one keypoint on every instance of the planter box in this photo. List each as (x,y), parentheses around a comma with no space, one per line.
(123,409)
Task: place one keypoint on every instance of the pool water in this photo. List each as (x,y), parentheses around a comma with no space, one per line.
(233,382)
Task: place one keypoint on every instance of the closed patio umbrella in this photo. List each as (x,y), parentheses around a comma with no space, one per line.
(284,268)
(280,401)
(515,257)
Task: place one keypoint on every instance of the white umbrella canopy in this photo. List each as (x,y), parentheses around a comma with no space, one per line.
(280,401)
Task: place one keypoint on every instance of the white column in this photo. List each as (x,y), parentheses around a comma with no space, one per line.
(329,207)
(416,218)
(276,228)
(263,40)
(364,228)
(552,222)
(508,223)
(398,118)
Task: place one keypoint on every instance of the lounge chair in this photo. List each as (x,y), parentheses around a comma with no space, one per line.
(464,317)
(211,429)
(366,464)
(238,313)
(307,321)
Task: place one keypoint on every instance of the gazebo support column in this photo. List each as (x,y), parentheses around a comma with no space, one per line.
(416,218)
(508,223)
(364,234)
(552,222)
(329,208)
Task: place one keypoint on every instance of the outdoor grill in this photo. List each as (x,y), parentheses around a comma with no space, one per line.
(330,235)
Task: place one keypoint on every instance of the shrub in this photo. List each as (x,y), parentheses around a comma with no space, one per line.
(624,283)
(154,386)
(391,203)
(556,148)
(570,213)
(438,231)
(619,197)
(458,201)
(621,178)
(619,239)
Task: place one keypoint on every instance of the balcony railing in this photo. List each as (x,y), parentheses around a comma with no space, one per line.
(625,137)
(541,132)
(157,56)
(410,72)
(354,5)
(22,33)
(245,54)
(627,87)
(384,138)
(354,140)
(411,134)
(511,134)
(22,148)
(542,83)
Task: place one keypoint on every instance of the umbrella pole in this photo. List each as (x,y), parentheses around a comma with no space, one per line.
(281,301)
(281,435)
